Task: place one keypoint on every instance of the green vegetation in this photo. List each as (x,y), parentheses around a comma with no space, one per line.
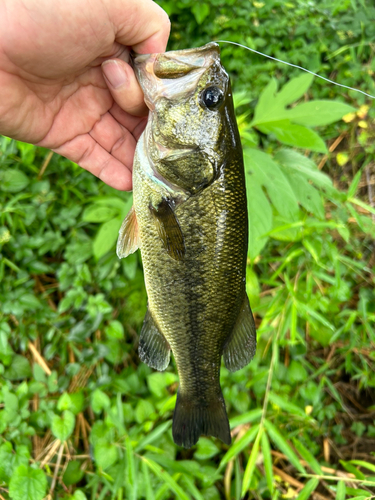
(80,417)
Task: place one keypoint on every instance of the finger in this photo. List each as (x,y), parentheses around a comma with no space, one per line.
(124,87)
(135,124)
(146,27)
(115,139)
(91,156)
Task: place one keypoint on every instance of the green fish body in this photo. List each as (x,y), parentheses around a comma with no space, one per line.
(189,220)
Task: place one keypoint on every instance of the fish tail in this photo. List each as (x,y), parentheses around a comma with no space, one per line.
(192,419)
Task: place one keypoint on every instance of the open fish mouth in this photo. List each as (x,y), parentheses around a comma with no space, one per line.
(174,73)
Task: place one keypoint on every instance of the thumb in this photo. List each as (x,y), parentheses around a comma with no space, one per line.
(124,86)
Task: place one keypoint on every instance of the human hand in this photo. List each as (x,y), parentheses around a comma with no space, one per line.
(52,88)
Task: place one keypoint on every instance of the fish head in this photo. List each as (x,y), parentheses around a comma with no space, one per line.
(188,93)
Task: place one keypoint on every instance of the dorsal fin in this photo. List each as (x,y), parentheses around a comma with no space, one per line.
(169,229)
(128,240)
(241,346)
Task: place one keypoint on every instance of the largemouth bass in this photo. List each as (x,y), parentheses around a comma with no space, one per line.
(189,220)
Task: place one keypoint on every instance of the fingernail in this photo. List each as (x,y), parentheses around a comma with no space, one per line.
(114,73)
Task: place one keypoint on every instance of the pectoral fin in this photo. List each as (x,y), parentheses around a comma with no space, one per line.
(128,240)
(241,346)
(169,229)
(153,348)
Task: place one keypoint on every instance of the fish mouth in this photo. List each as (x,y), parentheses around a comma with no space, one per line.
(175,73)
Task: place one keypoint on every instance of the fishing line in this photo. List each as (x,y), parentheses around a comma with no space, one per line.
(296,66)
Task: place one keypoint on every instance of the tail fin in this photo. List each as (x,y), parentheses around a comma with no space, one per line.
(191,420)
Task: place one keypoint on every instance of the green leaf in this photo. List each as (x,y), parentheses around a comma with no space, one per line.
(6,461)
(360,203)
(77,402)
(261,169)
(105,453)
(314,247)
(166,478)
(284,231)
(364,464)
(149,490)
(62,427)
(19,368)
(283,446)
(131,476)
(153,435)
(73,473)
(251,463)
(79,495)
(294,89)
(296,162)
(318,113)
(267,461)
(354,184)
(260,218)
(296,371)
(268,107)
(73,402)
(350,468)
(307,456)
(310,486)
(306,194)
(99,401)
(130,265)
(28,484)
(64,402)
(13,181)
(240,445)
(200,11)
(252,287)
(115,330)
(206,449)
(294,135)
(286,405)
(191,488)
(341,491)
(143,410)
(317,316)
(246,418)
(99,213)
(106,237)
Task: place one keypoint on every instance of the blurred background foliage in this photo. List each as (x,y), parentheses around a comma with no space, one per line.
(80,416)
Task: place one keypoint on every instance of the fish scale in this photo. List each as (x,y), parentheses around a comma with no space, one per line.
(190,222)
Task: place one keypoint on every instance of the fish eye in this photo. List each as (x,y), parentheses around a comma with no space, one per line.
(212,97)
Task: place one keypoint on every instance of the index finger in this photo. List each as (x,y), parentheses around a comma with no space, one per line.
(140,24)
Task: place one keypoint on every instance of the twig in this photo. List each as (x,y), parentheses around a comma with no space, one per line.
(227,479)
(288,479)
(38,358)
(45,165)
(331,149)
(58,462)
(51,452)
(43,291)
(369,189)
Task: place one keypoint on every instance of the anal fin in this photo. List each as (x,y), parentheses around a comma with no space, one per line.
(169,229)
(241,346)
(128,240)
(153,348)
